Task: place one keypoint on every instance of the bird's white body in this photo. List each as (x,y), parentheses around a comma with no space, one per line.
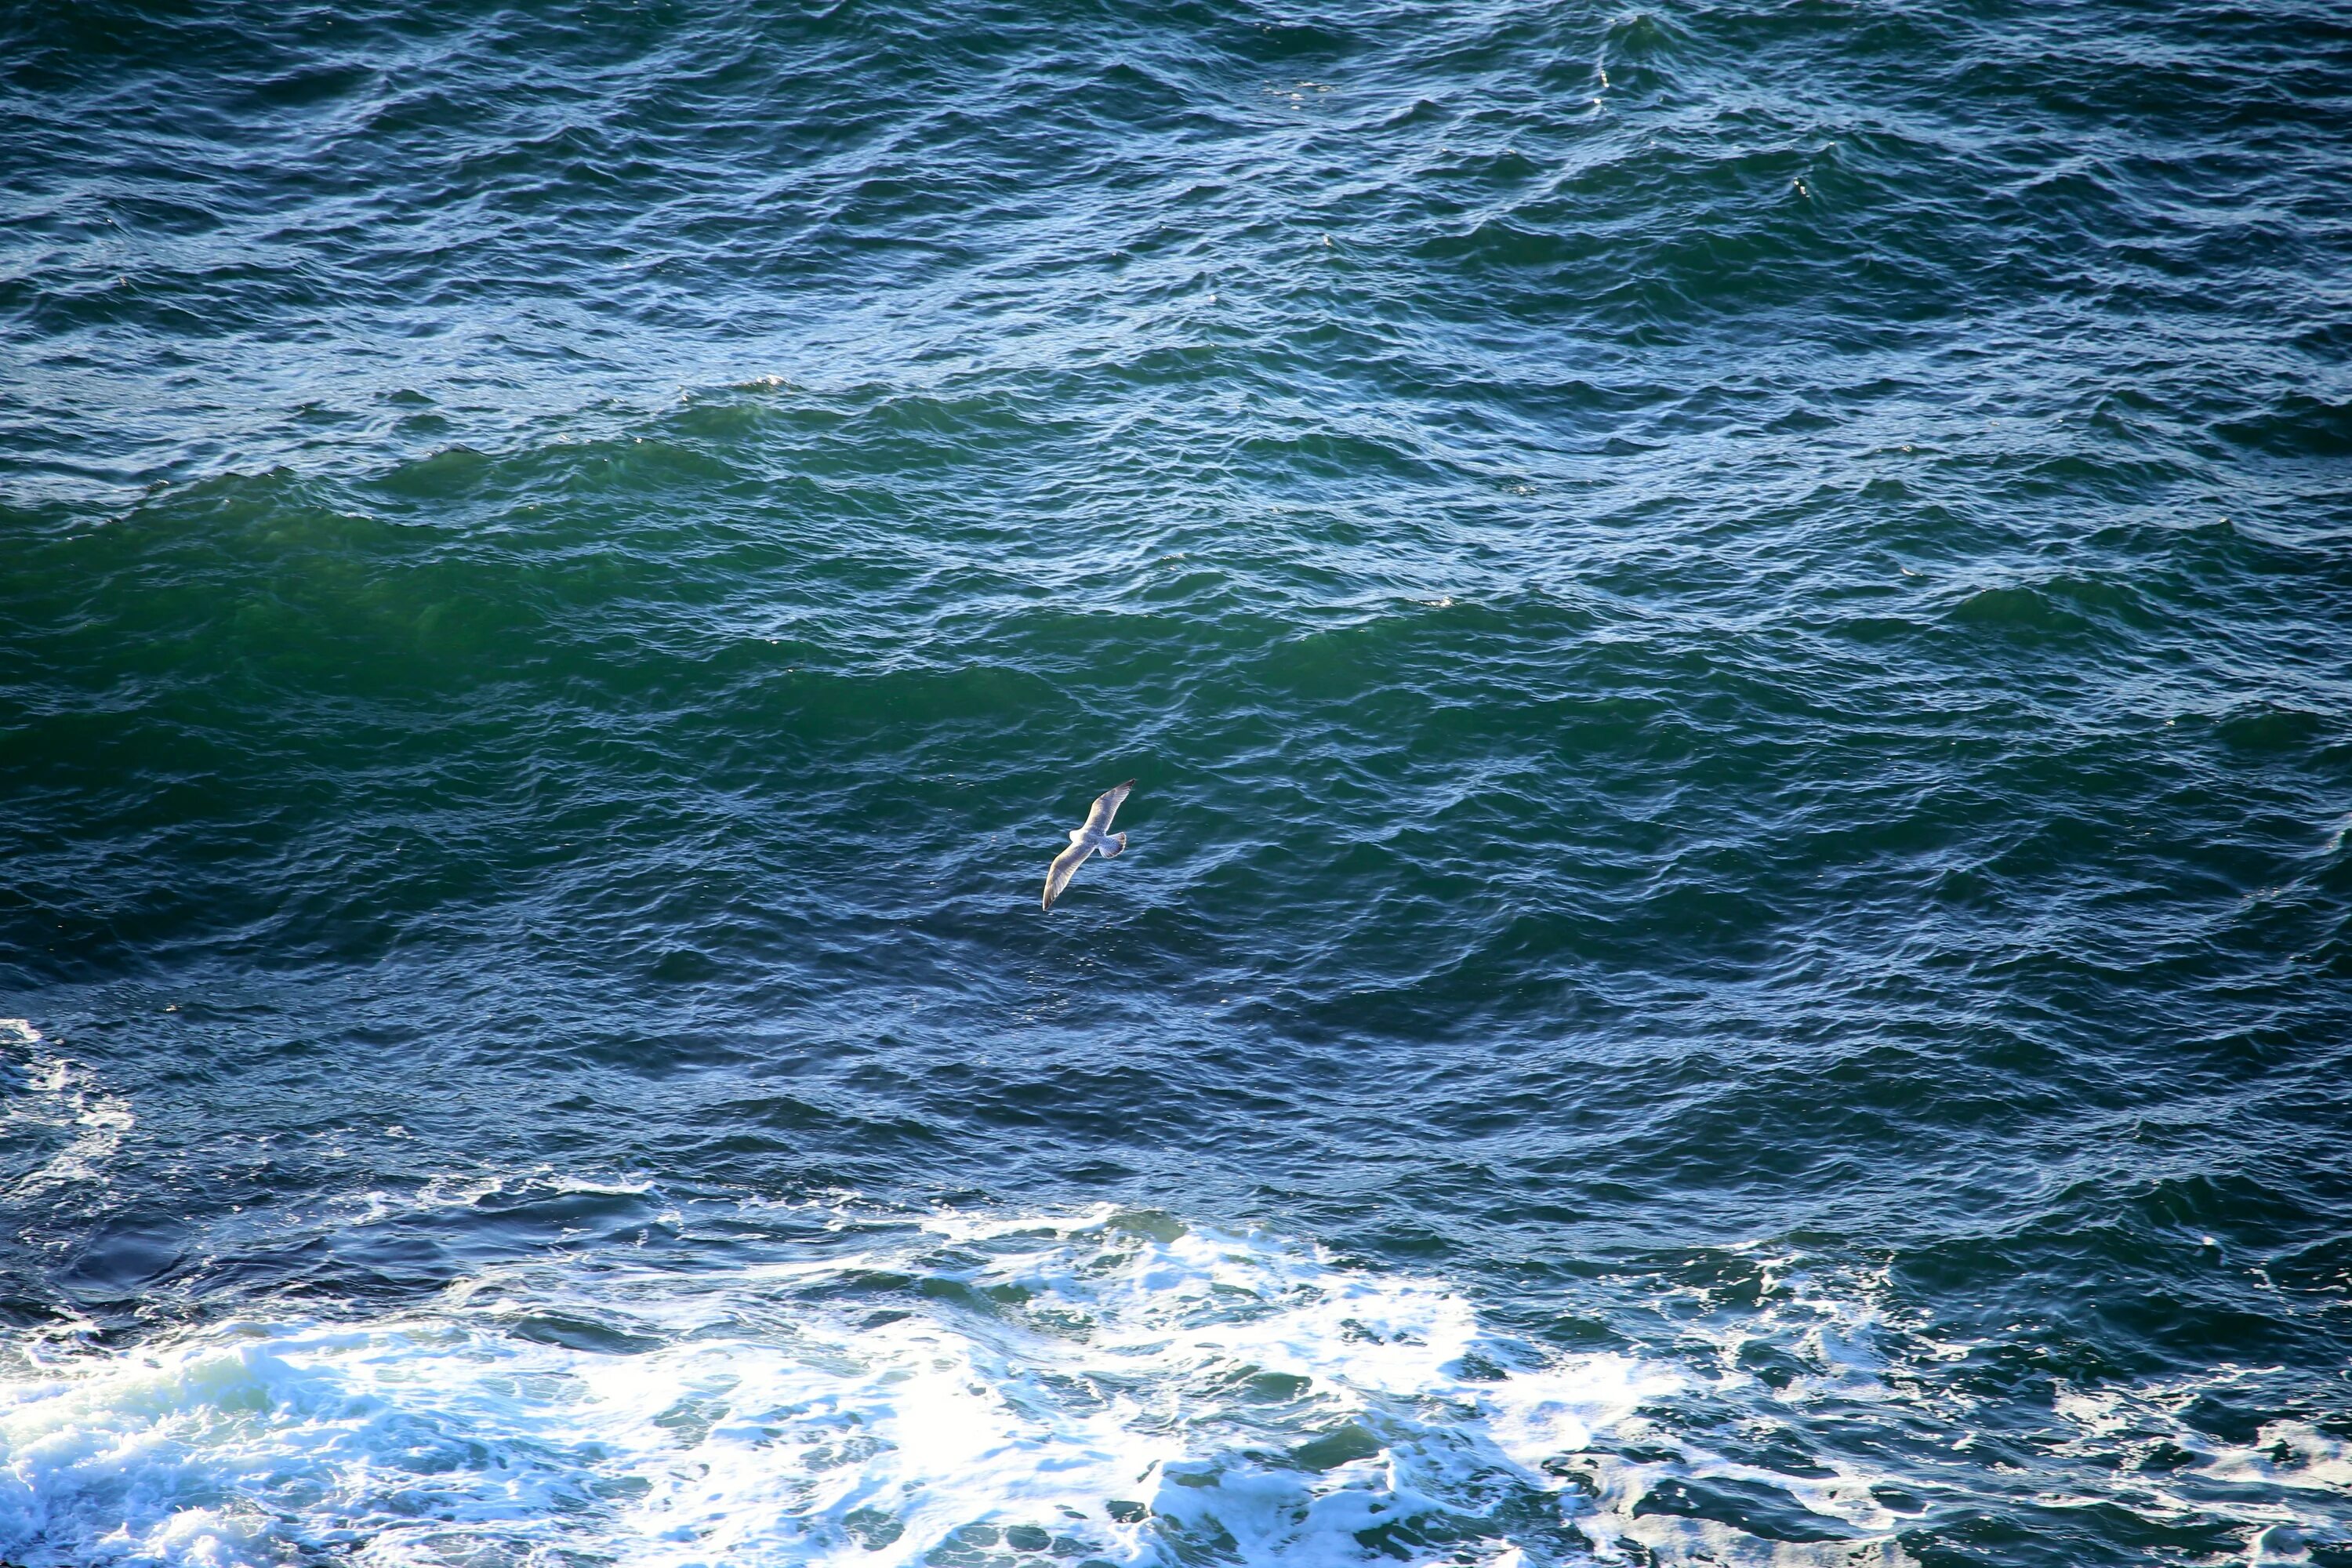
(1094,838)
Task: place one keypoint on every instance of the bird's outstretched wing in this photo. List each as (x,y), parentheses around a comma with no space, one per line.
(1106,806)
(1067,861)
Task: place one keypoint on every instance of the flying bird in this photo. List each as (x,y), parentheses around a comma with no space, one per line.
(1096,837)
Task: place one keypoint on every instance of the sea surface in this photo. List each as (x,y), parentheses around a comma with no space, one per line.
(1733,623)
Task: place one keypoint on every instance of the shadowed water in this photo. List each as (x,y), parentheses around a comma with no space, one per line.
(1731,624)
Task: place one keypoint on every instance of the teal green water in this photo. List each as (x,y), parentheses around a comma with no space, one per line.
(1731,623)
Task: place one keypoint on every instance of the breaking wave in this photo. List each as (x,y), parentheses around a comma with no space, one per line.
(1111,1388)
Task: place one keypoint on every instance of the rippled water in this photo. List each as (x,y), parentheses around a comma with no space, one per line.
(1731,622)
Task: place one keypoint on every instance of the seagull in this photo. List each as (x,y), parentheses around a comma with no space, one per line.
(1096,835)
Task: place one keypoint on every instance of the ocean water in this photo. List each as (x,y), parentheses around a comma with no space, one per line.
(1734,625)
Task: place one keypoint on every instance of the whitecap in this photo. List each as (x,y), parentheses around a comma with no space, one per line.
(58,1105)
(972,1390)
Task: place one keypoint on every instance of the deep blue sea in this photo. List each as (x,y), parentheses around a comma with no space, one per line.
(1732,619)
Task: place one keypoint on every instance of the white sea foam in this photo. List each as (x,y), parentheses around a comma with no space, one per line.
(2125,1445)
(1015,1391)
(59,1108)
(984,1389)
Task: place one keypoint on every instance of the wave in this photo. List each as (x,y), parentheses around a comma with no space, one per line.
(752,1383)
(59,1126)
(1114,1387)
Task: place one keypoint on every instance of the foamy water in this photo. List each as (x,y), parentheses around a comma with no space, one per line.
(1115,1386)
(68,1125)
(983,1391)
(1001,1389)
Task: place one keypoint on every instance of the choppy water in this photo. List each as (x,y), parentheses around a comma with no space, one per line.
(1731,622)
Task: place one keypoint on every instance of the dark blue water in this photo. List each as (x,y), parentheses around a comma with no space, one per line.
(1731,626)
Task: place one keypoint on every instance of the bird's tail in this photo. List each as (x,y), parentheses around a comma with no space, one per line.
(1111,845)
